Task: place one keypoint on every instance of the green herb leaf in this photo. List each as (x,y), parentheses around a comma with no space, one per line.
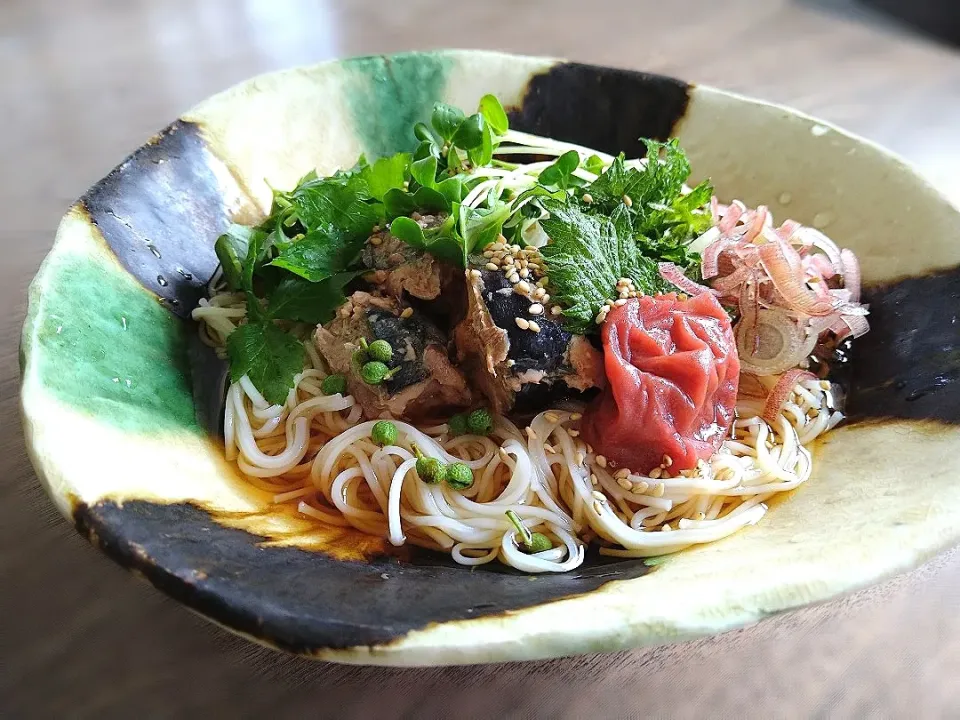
(269,356)
(422,132)
(587,255)
(311,302)
(493,113)
(386,174)
(442,242)
(481,226)
(431,200)
(427,149)
(425,171)
(593,164)
(256,247)
(470,133)
(231,250)
(398,202)
(452,189)
(446,119)
(560,173)
(318,255)
(657,184)
(484,154)
(339,202)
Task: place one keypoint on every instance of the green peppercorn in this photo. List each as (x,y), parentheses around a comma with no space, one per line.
(383,433)
(430,470)
(458,476)
(376,372)
(380,350)
(457,424)
(333,384)
(479,422)
(538,543)
(529,542)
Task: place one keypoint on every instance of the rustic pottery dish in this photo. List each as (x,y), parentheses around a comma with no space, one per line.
(121,403)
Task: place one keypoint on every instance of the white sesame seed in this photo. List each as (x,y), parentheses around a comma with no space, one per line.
(534,326)
(504,454)
(624,483)
(627,200)
(535,309)
(573,433)
(666,528)
(497,246)
(551,417)
(522,287)
(597,507)
(601,316)
(556,310)
(545,299)
(594,480)
(608,303)
(530,433)
(620,303)
(622,473)
(539,293)
(514,278)
(475,273)
(601,461)
(655,473)
(511,363)
(640,487)
(407,312)
(488,254)
(542,282)
(700,516)
(667,461)
(515,248)
(549,449)
(599,495)
(579,458)
(492,266)
(587,198)
(589,446)
(376,240)
(524,273)
(575,417)
(522,323)
(659,490)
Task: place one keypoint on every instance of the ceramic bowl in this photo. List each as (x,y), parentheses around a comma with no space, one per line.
(121,402)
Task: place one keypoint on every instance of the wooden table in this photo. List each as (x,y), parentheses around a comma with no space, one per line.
(86,81)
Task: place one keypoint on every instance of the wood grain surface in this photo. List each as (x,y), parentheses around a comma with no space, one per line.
(84,82)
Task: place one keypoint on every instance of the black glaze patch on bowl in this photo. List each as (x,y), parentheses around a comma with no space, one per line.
(160,212)
(305,601)
(908,365)
(604,108)
(210,379)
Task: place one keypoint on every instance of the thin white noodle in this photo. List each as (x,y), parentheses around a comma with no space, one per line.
(317,451)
